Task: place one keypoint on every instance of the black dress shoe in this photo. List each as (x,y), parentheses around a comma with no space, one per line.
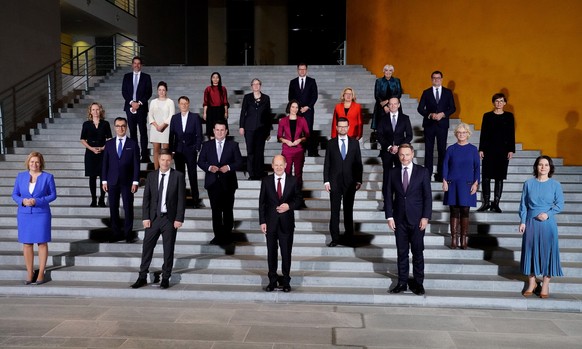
(132,240)
(102,203)
(271,287)
(418,290)
(286,288)
(139,283)
(93,203)
(214,241)
(399,288)
(165,283)
(332,244)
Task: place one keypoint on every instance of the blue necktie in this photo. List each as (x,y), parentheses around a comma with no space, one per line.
(119,148)
(343,149)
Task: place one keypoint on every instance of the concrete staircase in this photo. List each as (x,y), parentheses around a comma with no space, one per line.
(81,265)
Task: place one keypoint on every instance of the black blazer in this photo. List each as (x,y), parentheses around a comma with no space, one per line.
(124,170)
(342,173)
(428,105)
(309,95)
(231,156)
(143,93)
(414,204)
(175,196)
(401,134)
(268,202)
(255,115)
(189,140)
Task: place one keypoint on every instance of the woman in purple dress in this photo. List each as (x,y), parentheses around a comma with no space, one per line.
(541,199)
(460,183)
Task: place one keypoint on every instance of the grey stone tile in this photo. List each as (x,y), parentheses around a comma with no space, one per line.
(465,340)
(362,309)
(233,305)
(297,318)
(93,342)
(315,346)
(298,307)
(570,327)
(287,334)
(207,316)
(45,300)
(136,343)
(138,302)
(143,313)
(51,312)
(72,328)
(19,327)
(508,325)
(419,322)
(179,331)
(388,338)
(231,345)
(34,342)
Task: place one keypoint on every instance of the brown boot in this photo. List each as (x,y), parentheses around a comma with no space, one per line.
(464,232)
(454,232)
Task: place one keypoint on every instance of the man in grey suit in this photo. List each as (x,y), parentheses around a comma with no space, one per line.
(164,203)
(408,208)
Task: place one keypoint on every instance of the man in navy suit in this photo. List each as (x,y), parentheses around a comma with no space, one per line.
(279,197)
(408,208)
(137,90)
(436,106)
(220,159)
(164,203)
(120,175)
(342,177)
(185,142)
(394,129)
(304,89)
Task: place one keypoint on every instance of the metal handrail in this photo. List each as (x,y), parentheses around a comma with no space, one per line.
(38,96)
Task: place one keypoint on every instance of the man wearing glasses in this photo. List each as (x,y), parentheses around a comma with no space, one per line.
(436,106)
(120,176)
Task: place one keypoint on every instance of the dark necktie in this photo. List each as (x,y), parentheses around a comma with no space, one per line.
(219,150)
(279,189)
(405,179)
(119,148)
(437,97)
(301,87)
(343,149)
(160,193)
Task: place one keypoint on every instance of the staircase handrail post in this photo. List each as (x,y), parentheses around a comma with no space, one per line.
(86,54)
(50,96)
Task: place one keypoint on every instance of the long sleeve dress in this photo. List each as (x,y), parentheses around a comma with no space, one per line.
(461,170)
(540,253)
(160,112)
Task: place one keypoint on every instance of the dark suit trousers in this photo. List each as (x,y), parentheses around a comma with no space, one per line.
(335,196)
(164,227)
(181,160)
(115,192)
(134,121)
(222,204)
(430,133)
(255,141)
(312,139)
(388,161)
(285,242)
(410,235)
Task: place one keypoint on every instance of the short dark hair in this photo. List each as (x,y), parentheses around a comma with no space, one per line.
(436,72)
(138,58)
(120,118)
(497,96)
(302,63)
(536,163)
(220,122)
(165,151)
(338,120)
(405,146)
(184,98)
(163,83)
(288,108)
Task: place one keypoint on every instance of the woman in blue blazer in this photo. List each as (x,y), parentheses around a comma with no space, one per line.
(33,191)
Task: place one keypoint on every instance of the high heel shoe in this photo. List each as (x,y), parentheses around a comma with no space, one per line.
(544,296)
(534,290)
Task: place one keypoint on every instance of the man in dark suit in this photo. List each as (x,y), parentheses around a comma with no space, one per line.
(137,90)
(255,125)
(164,203)
(304,89)
(279,197)
(185,142)
(408,208)
(120,177)
(219,159)
(342,177)
(394,129)
(436,106)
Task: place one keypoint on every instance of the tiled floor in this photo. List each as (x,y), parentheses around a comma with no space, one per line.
(134,323)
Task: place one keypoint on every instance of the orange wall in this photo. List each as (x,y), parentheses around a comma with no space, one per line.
(528,49)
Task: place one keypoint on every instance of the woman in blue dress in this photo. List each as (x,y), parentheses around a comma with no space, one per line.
(33,191)
(460,183)
(541,199)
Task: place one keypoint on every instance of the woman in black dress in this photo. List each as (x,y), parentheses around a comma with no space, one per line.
(496,148)
(95,132)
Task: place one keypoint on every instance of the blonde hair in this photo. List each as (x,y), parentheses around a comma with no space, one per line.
(464,126)
(344,91)
(34,154)
(101,111)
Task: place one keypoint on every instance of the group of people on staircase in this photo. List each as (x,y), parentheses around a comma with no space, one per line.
(406,186)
